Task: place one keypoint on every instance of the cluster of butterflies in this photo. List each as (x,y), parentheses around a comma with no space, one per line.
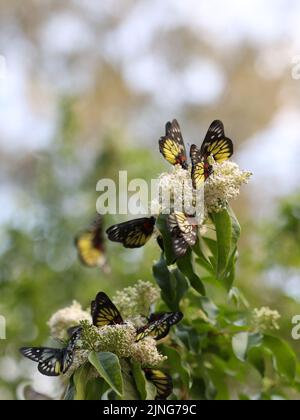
(215,145)
(183,228)
(54,362)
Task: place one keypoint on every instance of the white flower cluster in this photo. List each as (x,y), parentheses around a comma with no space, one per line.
(118,339)
(121,340)
(65,318)
(223,185)
(176,189)
(136,300)
(264,319)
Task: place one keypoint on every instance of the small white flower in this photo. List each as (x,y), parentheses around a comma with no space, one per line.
(65,318)
(265,318)
(136,300)
(223,185)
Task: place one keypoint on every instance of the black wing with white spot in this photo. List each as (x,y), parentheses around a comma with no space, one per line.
(104,312)
(216,144)
(50,361)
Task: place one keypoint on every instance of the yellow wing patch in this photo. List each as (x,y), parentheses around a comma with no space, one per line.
(172,146)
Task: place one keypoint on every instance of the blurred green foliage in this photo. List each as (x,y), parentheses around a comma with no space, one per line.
(39,270)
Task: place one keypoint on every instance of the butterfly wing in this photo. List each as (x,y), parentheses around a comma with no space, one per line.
(52,362)
(49,360)
(157,329)
(90,245)
(201,169)
(179,243)
(159,325)
(104,312)
(133,234)
(171,146)
(216,144)
(68,352)
(162,382)
(187,227)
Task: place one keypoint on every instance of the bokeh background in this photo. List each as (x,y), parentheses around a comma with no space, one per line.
(85,90)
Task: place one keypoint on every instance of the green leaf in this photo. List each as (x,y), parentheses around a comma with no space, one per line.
(240,345)
(284,359)
(185,265)
(213,248)
(177,365)
(208,306)
(81,377)
(162,226)
(108,366)
(235,227)
(189,337)
(95,389)
(173,284)
(222,222)
(145,388)
(238,297)
(202,260)
(205,264)
(256,358)
(228,232)
(130,389)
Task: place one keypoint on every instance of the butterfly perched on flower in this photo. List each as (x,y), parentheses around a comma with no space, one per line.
(183,230)
(201,168)
(162,382)
(216,145)
(172,146)
(104,312)
(159,325)
(51,361)
(133,234)
(90,245)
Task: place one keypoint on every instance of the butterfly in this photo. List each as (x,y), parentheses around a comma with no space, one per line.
(162,382)
(159,325)
(183,231)
(90,245)
(104,312)
(201,168)
(216,145)
(132,234)
(172,147)
(53,362)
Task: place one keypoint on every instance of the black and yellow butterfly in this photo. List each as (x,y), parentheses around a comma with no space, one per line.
(159,325)
(201,168)
(216,145)
(162,382)
(183,230)
(90,245)
(172,146)
(104,312)
(132,234)
(53,362)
